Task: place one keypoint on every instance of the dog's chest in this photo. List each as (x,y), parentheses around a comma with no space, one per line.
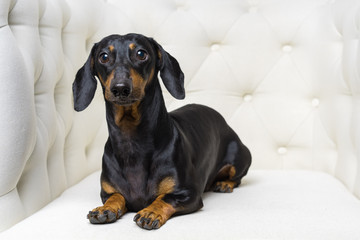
(140,189)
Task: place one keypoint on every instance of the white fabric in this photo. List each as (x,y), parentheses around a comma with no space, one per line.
(269,205)
(284,73)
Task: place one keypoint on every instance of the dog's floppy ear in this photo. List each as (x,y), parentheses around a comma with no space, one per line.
(170,73)
(84,85)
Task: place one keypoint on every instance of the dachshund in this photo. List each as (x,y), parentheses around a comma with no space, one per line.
(155,163)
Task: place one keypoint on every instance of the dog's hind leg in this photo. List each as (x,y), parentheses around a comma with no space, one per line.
(237,161)
(224,180)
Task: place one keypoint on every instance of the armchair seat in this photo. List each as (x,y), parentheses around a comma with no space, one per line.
(269,204)
(285,74)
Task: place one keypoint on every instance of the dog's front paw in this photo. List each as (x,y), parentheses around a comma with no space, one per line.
(149,220)
(155,215)
(104,215)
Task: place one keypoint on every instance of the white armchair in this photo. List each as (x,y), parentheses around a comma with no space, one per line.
(284,73)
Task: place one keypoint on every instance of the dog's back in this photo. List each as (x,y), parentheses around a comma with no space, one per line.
(206,135)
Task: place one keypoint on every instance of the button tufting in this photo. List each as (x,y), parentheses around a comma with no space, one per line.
(282,150)
(215,47)
(315,102)
(248,97)
(287,48)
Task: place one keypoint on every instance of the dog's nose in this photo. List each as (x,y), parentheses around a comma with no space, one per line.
(121,90)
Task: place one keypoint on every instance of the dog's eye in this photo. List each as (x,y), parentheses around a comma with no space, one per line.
(141,55)
(104,58)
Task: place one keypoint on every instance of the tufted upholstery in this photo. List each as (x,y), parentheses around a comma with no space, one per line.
(284,73)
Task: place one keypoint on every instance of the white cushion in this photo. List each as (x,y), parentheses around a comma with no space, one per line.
(284,73)
(268,205)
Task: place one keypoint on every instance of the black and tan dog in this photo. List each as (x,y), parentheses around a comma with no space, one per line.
(155,163)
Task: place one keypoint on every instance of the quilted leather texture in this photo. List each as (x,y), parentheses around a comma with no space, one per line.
(284,73)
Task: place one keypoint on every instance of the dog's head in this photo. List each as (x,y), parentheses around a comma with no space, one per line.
(125,65)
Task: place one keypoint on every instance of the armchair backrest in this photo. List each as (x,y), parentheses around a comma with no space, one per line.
(285,74)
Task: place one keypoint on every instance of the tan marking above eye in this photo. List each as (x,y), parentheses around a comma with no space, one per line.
(132,46)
